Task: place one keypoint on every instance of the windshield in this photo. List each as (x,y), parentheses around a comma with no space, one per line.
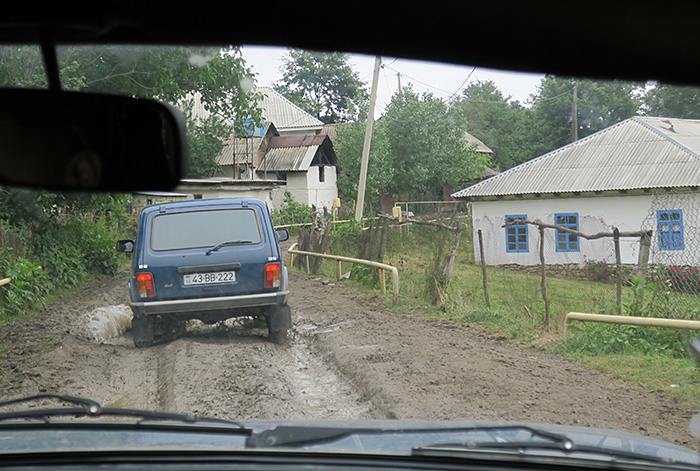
(508,232)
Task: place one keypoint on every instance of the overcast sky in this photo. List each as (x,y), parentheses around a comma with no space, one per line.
(442,80)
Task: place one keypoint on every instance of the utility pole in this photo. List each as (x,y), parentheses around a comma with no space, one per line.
(368,140)
(574,117)
(398,74)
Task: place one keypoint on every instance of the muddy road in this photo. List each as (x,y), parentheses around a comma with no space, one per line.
(348,358)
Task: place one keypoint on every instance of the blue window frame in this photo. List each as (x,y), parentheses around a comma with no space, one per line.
(516,235)
(567,242)
(670,229)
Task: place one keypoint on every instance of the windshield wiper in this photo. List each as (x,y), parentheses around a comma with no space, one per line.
(301,435)
(521,446)
(88,407)
(231,242)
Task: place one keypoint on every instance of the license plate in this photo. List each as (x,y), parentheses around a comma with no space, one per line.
(208,278)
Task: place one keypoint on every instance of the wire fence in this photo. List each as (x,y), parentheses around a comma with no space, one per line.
(674,219)
(653,271)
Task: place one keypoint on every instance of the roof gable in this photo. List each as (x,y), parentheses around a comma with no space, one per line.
(298,153)
(638,153)
(284,113)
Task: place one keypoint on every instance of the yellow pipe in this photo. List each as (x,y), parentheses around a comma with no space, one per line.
(5,281)
(284,226)
(369,263)
(630,320)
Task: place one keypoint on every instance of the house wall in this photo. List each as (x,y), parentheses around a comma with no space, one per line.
(306,188)
(596,214)
(263,194)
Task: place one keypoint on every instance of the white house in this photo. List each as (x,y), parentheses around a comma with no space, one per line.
(640,174)
(288,153)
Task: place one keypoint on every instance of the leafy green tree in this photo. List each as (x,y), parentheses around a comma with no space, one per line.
(499,122)
(348,147)
(427,146)
(600,104)
(672,101)
(323,84)
(418,146)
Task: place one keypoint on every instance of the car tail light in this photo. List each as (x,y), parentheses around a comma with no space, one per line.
(272,275)
(146,287)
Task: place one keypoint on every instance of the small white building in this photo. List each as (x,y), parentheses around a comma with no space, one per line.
(288,153)
(640,174)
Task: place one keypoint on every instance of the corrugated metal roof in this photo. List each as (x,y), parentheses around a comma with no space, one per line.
(291,153)
(275,108)
(243,149)
(638,153)
(481,148)
(285,114)
(288,159)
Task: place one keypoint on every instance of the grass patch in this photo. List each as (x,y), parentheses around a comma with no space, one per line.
(653,358)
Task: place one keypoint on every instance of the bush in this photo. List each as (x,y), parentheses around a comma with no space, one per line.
(29,284)
(682,279)
(292,212)
(604,272)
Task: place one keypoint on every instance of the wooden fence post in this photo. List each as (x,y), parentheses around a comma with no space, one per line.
(618,269)
(644,249)
(544,279)
(483,270)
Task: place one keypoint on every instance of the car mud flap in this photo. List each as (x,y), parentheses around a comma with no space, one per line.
(279,321)
(279,318)
(143,331)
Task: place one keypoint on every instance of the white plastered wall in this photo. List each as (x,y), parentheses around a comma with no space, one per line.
(596,214)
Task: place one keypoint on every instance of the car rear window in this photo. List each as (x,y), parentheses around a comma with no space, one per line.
(204,228)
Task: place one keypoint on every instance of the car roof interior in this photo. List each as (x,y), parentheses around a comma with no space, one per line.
(634,40)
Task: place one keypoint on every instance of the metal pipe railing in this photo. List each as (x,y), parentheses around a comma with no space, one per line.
(630,320)
(339,259)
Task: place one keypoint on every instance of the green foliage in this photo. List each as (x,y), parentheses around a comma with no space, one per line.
(65,238)
(682,279)
(292,212)
(604,272)
(672,101)
(29,284)
(608,339)
(427,146)
(348,147)
(600,104)
(502,124)
(417,147)
(323,84)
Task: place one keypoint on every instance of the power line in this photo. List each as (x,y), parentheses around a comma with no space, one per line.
(462,84)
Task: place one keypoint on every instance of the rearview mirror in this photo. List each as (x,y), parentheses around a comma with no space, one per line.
(69,140)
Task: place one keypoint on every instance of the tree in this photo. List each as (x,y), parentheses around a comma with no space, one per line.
(348,147)
(418,146)
(427,146)
(600,104)
(672,101)
(323,84)
(500,123)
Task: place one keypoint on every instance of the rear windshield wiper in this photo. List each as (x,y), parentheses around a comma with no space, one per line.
(90,408)
(231,242)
